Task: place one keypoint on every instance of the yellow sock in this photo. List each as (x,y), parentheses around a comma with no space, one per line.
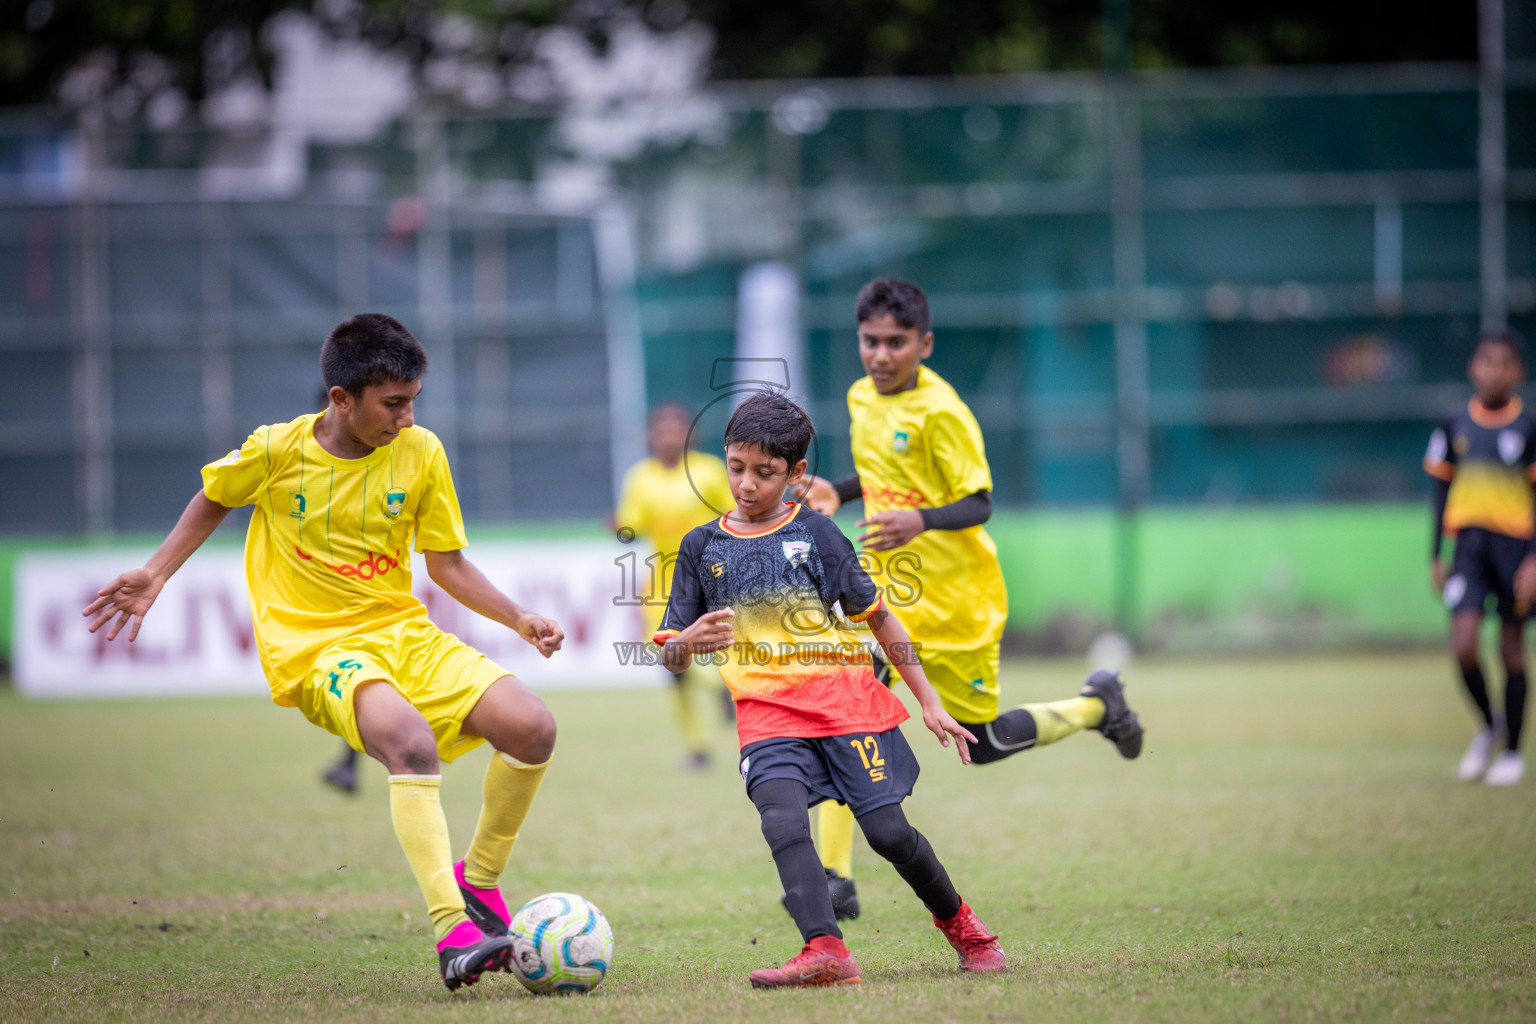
(1061,718)
(417,810)
(510,787)
(683,690)
(834,837)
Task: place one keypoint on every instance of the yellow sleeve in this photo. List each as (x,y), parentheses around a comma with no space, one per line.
(631,510)
(439,523)
(959,455)
(716,487)
(237,479)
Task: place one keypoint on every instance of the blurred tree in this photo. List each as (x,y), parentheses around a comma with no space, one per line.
(813,38)
(129,53)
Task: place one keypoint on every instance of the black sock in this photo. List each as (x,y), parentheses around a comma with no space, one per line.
(893,837)
(1477,689)
(787,828)
(1004,736)
(1514,707)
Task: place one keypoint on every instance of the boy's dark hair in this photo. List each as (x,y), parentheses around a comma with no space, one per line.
(903,300)
(1509,338)
(775,424)
(370,349)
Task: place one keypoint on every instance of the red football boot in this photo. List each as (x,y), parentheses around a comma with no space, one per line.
(977,947)
(823,961)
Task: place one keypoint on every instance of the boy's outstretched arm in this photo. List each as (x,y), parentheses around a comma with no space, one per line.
(897,645)
(465,583)
(708,633)
(130,596)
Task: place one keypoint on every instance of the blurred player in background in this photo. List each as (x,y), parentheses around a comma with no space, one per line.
(922,472)
(1483,460)
(664,496)
(341,496)
(778,586)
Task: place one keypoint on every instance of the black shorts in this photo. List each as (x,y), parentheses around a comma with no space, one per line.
(1484,564)
(863,770)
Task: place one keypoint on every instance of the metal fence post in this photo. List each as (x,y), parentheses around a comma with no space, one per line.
(1492,238)
(434,268)
(1132,443)
(92,371)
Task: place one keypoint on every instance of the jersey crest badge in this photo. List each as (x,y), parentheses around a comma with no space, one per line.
(1511,446)
(899,442)
(797,551)
(296,504)
(394,501)
(717,570)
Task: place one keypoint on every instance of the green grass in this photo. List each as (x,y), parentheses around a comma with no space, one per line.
(1292,845)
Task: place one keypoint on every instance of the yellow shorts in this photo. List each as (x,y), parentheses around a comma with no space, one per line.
(441,675)
(966,681)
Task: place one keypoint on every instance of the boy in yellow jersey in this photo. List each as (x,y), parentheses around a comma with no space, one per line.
(922,473)
(1483,460)
(341,497)
(663,497)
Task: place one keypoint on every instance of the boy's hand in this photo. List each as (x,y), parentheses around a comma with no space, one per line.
(1439,570)
(892,529)
(943,726)
(130,596)
(709,632)
(820,495)
(1525,585)
(544,634)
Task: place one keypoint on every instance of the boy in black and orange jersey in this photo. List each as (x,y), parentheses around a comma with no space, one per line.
(774,587)
(1482,460)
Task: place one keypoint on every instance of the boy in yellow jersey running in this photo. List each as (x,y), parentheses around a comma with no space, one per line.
(664,496)
(341,497)
(922,472)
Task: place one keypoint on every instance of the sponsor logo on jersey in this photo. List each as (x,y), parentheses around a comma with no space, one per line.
(232,458)
(376,564)
(296,504)
(1511,446)
(797,551)
(717,570)
(394,501)
(886,496)
(899,442)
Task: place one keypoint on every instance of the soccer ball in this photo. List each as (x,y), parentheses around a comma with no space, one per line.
(560,943)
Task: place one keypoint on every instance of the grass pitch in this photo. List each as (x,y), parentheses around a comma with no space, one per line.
(1291,845)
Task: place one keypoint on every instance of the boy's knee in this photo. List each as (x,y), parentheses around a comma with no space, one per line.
(889,833)
(528,736)
(407,749)
(541,734)
(782,827)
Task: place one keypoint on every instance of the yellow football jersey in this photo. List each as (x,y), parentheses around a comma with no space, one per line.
(920,449)
(661,505)
(328,552)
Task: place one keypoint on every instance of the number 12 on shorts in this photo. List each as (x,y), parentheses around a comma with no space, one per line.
(869,753)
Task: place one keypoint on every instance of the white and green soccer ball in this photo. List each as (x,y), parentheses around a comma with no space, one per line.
(560,943)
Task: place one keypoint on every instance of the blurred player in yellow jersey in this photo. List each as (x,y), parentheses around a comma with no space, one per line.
(922,472)
(341,497)
(664,496)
